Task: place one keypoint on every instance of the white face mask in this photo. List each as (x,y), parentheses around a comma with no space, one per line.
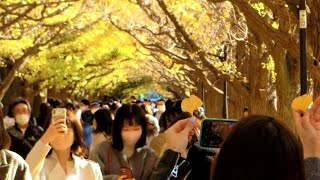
(22,119)
(130,138)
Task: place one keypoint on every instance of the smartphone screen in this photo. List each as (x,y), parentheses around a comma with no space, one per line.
(59,113)
(213,131)
(127,172)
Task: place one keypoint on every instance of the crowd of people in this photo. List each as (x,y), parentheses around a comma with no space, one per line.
(144,140)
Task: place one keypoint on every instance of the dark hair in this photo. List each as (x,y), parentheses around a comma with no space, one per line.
(51,102)
(69,106)
(138,101)
(114,107)
(144,108)
(78,147)
(21,101)
(170,114)
(10,111)
(169,103)
(54,103)
(183,115)
(133,114)
(161,100)
(45,110)
(85,102)
(104,121)
(5,140)
(260,147)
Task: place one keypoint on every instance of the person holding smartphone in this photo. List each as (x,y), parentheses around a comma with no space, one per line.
(59,152)
(126,156)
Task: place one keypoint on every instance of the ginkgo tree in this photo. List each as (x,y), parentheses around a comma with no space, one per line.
(261,36)
(98,61)
(179,32)
(172,44)
(28,25)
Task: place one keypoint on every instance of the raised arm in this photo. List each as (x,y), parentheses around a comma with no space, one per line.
(38,153)
(308,127)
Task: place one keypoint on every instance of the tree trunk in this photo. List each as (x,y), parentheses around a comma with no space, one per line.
(286,85)
(18,65)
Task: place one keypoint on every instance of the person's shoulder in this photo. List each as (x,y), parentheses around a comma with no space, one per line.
(14,133)
(105,143)
(103,146)
(12,128)
(34,127)
(14,158)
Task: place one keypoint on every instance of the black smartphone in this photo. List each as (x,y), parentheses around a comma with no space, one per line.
(214,131)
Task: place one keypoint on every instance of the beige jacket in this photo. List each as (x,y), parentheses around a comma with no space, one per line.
(13,166)
(48,168)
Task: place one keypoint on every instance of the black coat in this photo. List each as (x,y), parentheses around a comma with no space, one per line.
(165,168)
(22,144)
(200,159)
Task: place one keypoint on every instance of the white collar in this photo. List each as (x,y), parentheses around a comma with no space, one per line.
(77,162)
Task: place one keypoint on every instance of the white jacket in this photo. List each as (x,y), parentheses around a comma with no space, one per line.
(49,168)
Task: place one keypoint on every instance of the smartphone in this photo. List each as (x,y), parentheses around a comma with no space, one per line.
(59,113)
(127,172)
(214,131)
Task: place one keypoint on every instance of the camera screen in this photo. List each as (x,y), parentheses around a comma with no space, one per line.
(215,131)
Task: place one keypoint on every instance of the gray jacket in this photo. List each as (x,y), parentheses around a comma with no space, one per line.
(13,166)
(142,162)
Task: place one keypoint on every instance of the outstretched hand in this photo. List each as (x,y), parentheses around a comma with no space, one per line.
(177,135)
(308,127)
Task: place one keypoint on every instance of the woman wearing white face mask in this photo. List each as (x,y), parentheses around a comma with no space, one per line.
(23,134)
(59,153)
(126,154)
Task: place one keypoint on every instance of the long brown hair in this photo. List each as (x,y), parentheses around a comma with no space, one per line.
(5,140)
